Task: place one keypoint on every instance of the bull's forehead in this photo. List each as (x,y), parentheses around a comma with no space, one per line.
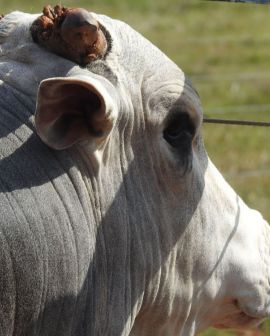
(137,63)
(139,58)
(146,70)
(134,55)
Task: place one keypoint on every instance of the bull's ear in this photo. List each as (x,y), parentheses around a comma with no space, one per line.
(74,109)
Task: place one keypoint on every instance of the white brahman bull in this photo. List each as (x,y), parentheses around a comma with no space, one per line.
(113,219)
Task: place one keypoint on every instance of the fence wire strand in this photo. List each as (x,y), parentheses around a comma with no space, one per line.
(236,122)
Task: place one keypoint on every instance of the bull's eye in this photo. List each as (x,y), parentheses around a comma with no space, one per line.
(179,131)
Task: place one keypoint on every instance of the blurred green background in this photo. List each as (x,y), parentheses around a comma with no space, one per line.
(225,50)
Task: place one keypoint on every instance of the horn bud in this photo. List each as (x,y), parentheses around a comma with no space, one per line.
(73,33)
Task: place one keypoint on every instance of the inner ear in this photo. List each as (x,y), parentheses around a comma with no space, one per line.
(80,107)
(69,111)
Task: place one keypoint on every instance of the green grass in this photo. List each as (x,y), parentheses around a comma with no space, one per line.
(215,44)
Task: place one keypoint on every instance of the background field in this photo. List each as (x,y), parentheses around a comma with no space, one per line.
(225,50)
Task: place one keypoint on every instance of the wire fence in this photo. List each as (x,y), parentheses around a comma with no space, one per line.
(208,79)
(251,109)
(248,174)
(226,39)
(231,77)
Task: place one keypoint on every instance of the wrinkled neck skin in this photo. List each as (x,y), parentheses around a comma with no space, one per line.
(165,242)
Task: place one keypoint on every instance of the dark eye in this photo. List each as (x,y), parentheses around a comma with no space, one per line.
(179,131)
